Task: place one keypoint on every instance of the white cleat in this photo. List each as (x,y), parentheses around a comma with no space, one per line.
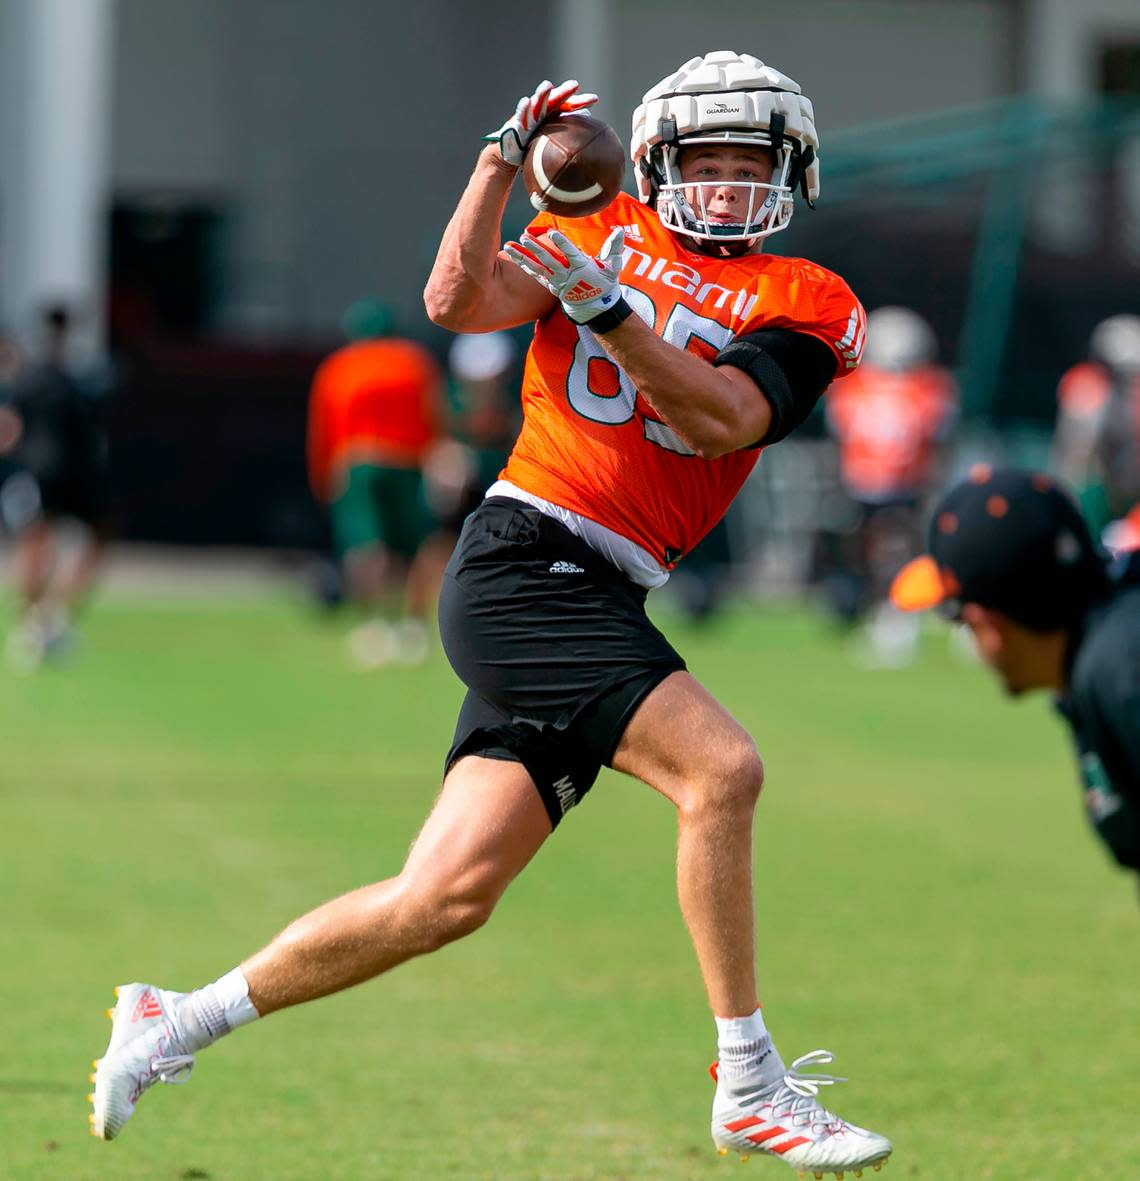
(789,1122)
(145,1049)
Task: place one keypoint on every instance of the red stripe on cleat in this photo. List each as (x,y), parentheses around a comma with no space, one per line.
(795,1142)
(767,1134)
(738,1125)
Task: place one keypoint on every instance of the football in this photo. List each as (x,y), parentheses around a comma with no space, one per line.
(574,166)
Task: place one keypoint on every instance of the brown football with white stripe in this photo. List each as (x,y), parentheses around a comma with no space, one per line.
(574,166)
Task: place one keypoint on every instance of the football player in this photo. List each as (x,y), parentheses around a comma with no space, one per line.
(1096,444)
(375,411)
(892,422)
(55,455)
(669,349)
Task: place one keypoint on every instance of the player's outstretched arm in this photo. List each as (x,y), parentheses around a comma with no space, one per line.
(472,288)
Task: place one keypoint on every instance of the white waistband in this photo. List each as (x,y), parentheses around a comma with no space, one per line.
(636,563)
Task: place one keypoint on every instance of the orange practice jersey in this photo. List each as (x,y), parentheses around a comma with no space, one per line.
(888,426)
(372,402)
(590,444)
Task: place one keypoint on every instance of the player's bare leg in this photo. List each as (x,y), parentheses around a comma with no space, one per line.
(683,743)
(33,562)
(487,824)
(85,569)
(65,586)
(34,559)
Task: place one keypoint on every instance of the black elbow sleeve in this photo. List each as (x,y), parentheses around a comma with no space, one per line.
(791,369)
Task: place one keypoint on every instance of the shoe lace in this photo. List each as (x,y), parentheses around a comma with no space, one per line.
(800,1092)
(173,1070)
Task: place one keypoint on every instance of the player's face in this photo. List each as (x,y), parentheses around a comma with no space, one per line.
(731,168)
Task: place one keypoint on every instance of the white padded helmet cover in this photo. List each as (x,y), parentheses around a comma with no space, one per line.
(719,91)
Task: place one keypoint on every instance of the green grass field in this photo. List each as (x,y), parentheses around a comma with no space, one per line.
(932,908)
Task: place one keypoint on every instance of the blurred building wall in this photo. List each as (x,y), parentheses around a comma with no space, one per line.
(859,63)
(1064,41)
(334,137)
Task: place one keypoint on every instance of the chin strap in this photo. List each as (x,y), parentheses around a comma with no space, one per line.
(724,249)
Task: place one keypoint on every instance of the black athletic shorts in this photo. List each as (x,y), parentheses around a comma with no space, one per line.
(553,644)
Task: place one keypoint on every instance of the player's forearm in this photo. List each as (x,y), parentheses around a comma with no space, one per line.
(703,404)
(467,264)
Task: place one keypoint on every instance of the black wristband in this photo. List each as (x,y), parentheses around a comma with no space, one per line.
(611,317)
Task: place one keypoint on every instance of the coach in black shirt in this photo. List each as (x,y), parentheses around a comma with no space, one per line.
(1011,557)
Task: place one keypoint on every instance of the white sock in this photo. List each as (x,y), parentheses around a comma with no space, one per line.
(211,1012)
(748,1058)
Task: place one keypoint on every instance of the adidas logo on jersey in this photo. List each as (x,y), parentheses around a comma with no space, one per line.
(566,568)
(633,233)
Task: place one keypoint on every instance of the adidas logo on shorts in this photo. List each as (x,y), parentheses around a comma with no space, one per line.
(566,568)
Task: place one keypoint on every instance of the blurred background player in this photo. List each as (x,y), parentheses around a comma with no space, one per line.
(11,361)
(53,438)
(1096,445)
(1011,557)
(485,423)
(892,420)
(374,415)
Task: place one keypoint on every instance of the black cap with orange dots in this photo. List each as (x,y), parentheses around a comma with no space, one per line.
(1011,540)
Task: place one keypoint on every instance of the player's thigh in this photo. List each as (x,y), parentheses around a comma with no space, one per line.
(686,745)
(486,825)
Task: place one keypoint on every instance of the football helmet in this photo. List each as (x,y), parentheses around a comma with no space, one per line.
(725,98)
(898,340)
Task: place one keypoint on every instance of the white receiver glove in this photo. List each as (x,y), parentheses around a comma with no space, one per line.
(547,101)
(586,286)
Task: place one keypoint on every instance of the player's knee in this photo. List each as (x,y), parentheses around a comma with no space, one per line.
(451,911)
(464,914)
(733,777)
